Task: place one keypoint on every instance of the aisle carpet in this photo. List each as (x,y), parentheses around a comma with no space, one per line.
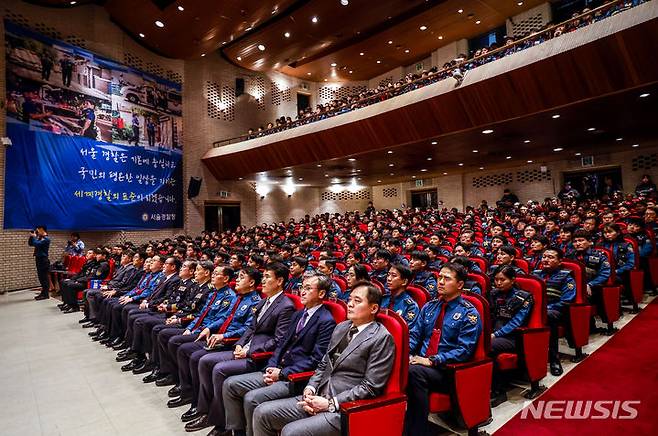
(624,369)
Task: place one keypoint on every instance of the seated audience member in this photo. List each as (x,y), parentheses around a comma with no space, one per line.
(298,266)
(355,274)
(560,292)
(381,264)
(70,287)
(613,240)
(470,266)
(327,267)
(449,328)
(510,309)
(537,246)
(504,256)
(301,350)
(357,365)
(398,299)
(421,275)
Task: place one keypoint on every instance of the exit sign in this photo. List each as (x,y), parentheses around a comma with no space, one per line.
(419,183)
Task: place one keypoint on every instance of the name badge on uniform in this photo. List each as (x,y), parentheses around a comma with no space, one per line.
(457,315)
(244,306)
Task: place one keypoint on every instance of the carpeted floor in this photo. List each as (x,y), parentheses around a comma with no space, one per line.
(625,369)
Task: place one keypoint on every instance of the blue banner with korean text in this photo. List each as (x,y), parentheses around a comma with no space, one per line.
(83,184)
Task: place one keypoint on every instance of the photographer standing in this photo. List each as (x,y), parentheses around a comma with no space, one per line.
(41,243)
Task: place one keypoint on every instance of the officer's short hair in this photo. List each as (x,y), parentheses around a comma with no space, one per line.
(280,271)
(258,260)
(582,233)
(177,262)
(324,281)
(507,270)
(461,273)
(541,239)
(383,254)
(191,264)
(331,263)
(360,272)
(508,249)
(301,261)
(207,265)
(228,272)
(404,271)
(420,255)
(568,228)
(373,293)
(434,249)
(253,274)
(142,255)
(128,252)
(560,253)
(395,242)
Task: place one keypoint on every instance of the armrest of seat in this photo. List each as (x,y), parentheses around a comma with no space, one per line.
(263,355)
(472,390)
(230,341)
(380,415)
(298,380)
(371,403)
(579,316)
(533,343)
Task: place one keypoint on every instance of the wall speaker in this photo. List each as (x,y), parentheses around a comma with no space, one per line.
(194,187)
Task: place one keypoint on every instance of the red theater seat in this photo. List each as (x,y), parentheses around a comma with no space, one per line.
(482,280)
(636,277)
(580,311)
(419,294)
(531,356)
(469,394)
(611,298)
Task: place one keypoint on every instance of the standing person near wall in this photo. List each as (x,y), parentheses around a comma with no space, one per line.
(41,243)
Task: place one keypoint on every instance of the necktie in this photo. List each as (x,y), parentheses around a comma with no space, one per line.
(391,302)
(263,310)
(433,346)
(342,345)
(224,326)
(204,313)
(302,321)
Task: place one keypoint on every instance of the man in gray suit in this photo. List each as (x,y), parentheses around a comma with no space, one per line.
(357,365)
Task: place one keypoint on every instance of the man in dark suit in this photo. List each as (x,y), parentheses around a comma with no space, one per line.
(302,350)
(357,365)
(267,329)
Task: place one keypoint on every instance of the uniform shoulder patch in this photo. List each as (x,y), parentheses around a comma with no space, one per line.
(410,315)
(570,285)
(466,303)
(472,318)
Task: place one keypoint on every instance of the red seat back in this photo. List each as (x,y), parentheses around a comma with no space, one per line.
(338,309)
(482,280)
(419,294)
(481,262)
(379,285)
(538,290)
(484,341)
(578,271)
(613,265)
(523,264)
(636,250)
(397,327)
(341,281)
(295,300)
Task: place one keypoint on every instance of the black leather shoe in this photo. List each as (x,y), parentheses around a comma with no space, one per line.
(127,352)
(174,392)
(88,325)
(498,398)
(556,368)
(192,414)
(179,401)
(122,345)
(41,297)
(84,320)
(114,342)
(165,380)
(131,365)
(144,368)
(104,336)
(60,305)
(199,422)
(219,432)
(95,333)
(72,310)
(106,340)
(125,357)
(153,376)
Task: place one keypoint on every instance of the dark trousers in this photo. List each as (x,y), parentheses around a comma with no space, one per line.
(70,289)
(498,346)
(155,344)
(168,349)
(142,329)
(187,360)
(213,370)
(43,267)
(555,319)
(105,311)
(120,318)
(133,316)
(422,381)
(92,298)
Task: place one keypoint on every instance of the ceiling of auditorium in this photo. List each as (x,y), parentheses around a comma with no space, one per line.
(388,31)
(589,128)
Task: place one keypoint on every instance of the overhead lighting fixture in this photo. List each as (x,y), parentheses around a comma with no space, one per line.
(240,178)
(478,22)
(481,168)
(591,129)
(180,8)
(351,159)
(434,142)
(390,42)
(390,152)
(379,62)
(619,139)
(325,80)
(527,141)
(261,47)
(379,181)
(141,35)
(248,29)
(645,95)
(406,51)
(344,2)
(319,165)
(429,158)
(476,151)
(391,174)
(529,161)
(350,71)
(72,3)
(308,74)
(487,131)
(326,175)
(333,64)
(300,179)
(461,164)
(287,34)
(424,170)
(361,54)
(239,58)
(423,28)
(445,174)
(578,154)
(159,23)
(558,149)
(203,55)
(519,4)
(460,11)
(556,116)
(635,145)
(391,165)
(413,177)
(314,19)
(440,36)
(508,157)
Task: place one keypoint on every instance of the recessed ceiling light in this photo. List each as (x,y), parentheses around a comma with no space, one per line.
(180,8)
(508,157)
(619,139)
(392,174)
(141,35)
(527,141)
(333,64)
(351,159)
(261,47)
(645,95)
(434,142)
(248,29)
(478,22)
(239,58)
(379,62)
(423,28)
(460,11)
(314,19)
(308,74)
(461,164)
(556,116)
(159,23)
(406,51)
(481,168)
(487,131)
(390,152)
(390,42)
(558,149)
(287,34)
(72,3)
(203,55)
(476,151)
(391,165)
(361,54)
(350,71)
(379,181)
(440,36)
(344,2)
(635,145)
(240,178)
(424,170)
(445,174)
(529,161)
(319,165)
(300,179)
(519,4)
(578,154)
(413,177)
(326,175)
(591,129)
(325,80)
(429,158)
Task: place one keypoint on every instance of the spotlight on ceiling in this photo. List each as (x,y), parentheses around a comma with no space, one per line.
(180,8)
(423,28)
(141,35)
(344,2)
(159,23)
(261,47)
(287,34)
(487,131)
(314,19)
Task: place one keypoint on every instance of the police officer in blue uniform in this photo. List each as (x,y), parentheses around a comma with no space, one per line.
(421,276)
(597,265)
(298,266)
(510,309)
(505,256)
(433,251)
(469,284)
(613,240)
(449,328)
(327,267)
(381,264)
(399,300)
(395,247)
(560,291)
(89,121)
